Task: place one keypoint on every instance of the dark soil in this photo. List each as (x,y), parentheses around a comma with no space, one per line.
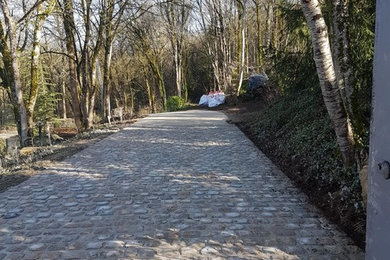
(14,178)
(64,132)
(334,209)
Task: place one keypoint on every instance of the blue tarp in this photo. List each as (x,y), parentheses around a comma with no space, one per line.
(257,81)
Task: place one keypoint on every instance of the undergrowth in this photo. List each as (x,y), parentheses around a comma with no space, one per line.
(175,103)
(297,134)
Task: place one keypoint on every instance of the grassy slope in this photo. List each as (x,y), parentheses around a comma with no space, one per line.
(296,133)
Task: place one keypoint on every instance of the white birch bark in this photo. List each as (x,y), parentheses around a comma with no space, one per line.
(243,43)
(327,76)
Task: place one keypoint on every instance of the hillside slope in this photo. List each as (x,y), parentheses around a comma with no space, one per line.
(295,132)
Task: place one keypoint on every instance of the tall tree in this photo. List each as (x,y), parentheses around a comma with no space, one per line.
(242,41)
(111,27)
(259,38)
(69,27)
(60,70)
(344,69)
(90,42)
(146,41)
(107,59)
(211,42)
(327,77)
(221,10)
(176,14)
(11,62)
(269,22)
(92,45)
(40,17)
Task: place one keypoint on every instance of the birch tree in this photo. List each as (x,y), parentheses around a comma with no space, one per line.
(327,76)
(242,14)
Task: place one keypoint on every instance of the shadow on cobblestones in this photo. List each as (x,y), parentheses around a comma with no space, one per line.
(167,190)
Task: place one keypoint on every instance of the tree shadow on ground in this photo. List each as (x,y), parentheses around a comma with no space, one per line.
(145,193)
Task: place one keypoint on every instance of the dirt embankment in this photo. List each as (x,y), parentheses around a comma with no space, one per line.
(296,134)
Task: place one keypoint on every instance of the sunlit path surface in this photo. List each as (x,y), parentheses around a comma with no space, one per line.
(181,185)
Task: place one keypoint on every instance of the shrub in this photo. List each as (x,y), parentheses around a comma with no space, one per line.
(175,103)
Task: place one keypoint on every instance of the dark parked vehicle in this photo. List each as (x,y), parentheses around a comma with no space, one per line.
(257,82)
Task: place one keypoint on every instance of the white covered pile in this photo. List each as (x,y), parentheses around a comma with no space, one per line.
(213,99)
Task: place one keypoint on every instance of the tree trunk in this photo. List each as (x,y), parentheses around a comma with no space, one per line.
(242,8)
(93,90)
(347,68)
(106,78)
(275,25)
(344,70)
(239,33)
(223,46)
(247,50)
(62,82)
(160,80)
(161,87)
(131,101)
(71,49)
(14,79)
(63,99)
(86,63)
(178,69)
(91,110)
(107,60)
(99,79)
(176,13)
(270,7)
(259,37)
(186,74)
(34,70)
(216,68)
(185,77)
(34,86)
(335,30)
(327,77)
(150,97)
(153,93)
(212,44)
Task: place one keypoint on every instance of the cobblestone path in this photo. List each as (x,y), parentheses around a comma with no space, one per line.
(181,185)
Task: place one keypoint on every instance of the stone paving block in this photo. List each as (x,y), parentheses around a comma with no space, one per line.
(183,185)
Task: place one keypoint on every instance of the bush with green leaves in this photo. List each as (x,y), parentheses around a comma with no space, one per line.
(46,105)
(175,103)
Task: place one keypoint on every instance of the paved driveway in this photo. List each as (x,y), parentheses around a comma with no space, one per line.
(183,185)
